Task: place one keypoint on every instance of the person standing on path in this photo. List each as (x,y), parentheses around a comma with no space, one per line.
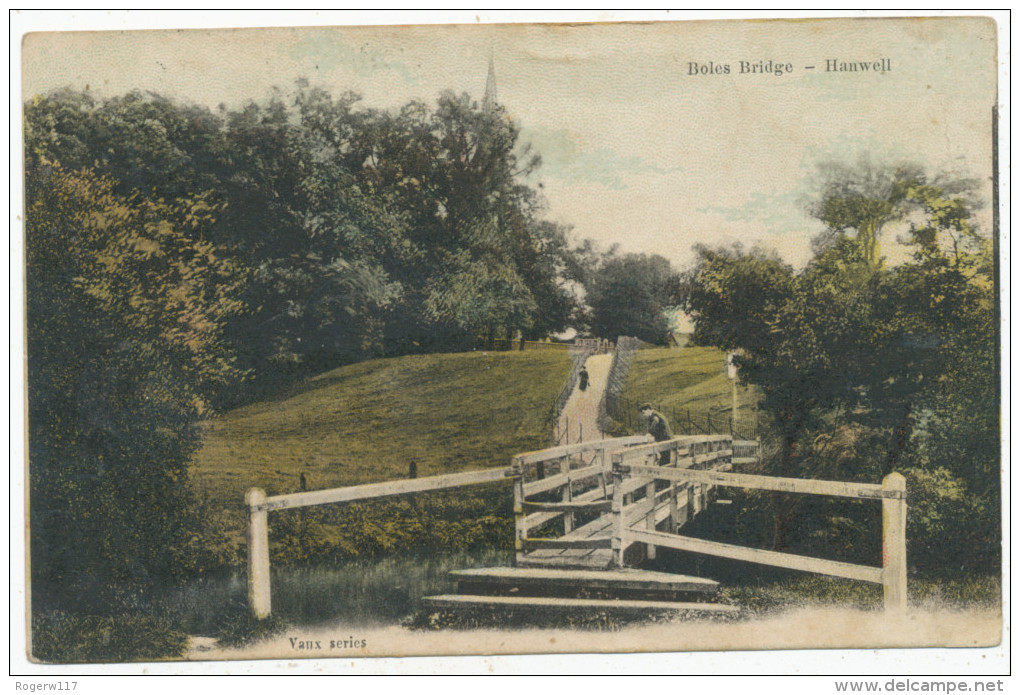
(658,427)
(583,377)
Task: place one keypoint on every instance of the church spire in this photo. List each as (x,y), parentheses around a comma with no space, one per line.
(490,99)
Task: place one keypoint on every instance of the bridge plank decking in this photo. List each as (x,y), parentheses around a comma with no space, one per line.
(601,529)
(589,558)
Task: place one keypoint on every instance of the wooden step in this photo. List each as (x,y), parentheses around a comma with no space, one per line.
(624,579)
(598,559)
(460,601)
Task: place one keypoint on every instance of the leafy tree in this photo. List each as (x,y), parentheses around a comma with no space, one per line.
(477,297)
(126,305)
(865,370)
(315,237)
(795,338)
(627,295)
(148,144)
(356,226)
(544,258)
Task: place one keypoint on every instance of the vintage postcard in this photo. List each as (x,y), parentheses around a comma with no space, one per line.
(511,338)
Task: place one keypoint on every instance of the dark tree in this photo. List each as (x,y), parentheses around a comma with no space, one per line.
(628,295)
(126,306)
(860,368)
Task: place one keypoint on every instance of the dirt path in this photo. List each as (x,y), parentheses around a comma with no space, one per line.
(580,416)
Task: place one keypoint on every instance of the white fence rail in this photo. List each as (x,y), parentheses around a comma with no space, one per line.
(628,527)
(259,589)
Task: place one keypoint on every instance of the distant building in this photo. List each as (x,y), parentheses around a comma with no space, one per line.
(678,340)
(681,327)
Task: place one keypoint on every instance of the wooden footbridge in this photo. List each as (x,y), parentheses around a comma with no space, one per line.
(588,514)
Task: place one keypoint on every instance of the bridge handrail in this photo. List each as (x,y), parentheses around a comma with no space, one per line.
(523,461)
(675,444)
(351,493)
(578,493)
(630,478)
(804,486)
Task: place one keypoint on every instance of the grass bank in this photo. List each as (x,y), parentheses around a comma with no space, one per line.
(688,385)
(366,422)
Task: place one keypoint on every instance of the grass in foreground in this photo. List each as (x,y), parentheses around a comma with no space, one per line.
(930,594)
(74,639)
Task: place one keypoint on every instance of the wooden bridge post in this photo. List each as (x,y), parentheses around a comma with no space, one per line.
(674,506)
(259,600)
(674,509)
(650,519)
(520,529)
(568,496)
(894,543)
(617,511)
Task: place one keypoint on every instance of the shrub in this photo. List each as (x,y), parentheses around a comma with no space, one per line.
(62,638)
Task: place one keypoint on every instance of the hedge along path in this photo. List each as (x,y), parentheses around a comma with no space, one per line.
(579,419)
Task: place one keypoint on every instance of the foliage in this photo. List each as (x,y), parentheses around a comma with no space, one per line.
(126,305)
(865,369)
(766,596)
(62,638)
(951,529)
(360,232)
(627,295)
(867,197)
(459,520)
(239,627)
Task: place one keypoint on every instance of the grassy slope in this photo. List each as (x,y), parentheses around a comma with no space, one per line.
(692,377)
(365,422)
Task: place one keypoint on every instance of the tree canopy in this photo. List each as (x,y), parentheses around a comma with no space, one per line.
(182,260)
(865,369)
(362,232)
(628,295)
(127,304)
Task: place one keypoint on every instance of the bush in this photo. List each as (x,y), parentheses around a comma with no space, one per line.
(239,627)
(950,530)
(61,638)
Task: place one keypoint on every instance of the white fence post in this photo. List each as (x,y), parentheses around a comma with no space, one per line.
(258,554)
(520,528)
(650,519)
(568,496)
(894,543)
(617,511)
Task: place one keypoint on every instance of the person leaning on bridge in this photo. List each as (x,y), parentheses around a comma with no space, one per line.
(658,427)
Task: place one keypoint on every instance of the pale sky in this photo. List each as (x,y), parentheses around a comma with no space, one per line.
(635,149)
